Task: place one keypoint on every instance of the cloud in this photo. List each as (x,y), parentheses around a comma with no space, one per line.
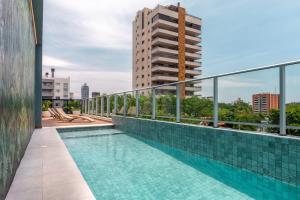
(94,23)
(56,62)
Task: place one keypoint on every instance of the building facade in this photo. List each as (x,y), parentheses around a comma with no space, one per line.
(95,94)
(264,102)
(166,48)
(85,91)
(54,87)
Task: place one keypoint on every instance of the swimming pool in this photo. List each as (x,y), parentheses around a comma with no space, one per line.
(121,165)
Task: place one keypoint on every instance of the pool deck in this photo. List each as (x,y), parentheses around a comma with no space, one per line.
(47,171)
(50,122)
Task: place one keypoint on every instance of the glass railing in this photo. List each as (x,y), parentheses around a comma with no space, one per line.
(263,99)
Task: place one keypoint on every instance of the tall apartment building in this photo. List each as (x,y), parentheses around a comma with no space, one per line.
(264,102)
(55,87)
(85,91)
(166,48)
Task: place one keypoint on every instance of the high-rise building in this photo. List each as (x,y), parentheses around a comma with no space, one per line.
(55,87)
(166,48)
(95,94)
(85,91)
(264,102)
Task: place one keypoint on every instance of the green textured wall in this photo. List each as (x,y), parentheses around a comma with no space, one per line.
(17,62)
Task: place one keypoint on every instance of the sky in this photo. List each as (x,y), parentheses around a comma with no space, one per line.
(90,41)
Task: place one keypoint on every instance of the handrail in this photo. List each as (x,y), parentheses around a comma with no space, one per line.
(282,95)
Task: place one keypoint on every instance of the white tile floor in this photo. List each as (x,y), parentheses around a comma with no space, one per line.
(47,171)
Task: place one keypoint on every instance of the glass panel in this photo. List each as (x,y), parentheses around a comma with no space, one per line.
(120,104)
(197,104)
(166,103)
(131,110)
(293,99)
(249,101)
(145,103)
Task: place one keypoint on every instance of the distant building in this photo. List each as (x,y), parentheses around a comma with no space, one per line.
(166,48)
(54,87)
(264,102)
(95,94)
(71,95)
(85,91)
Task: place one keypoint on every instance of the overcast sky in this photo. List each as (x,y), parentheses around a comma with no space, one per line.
(90,41)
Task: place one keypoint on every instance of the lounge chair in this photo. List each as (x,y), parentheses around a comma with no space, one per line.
(70,118)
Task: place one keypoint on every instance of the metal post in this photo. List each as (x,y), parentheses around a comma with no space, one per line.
(282,108)
(85,106)
(216,105)
(137,103)
(153,104)
(108,106)
(177,103)
(88,106)
(102,105)
(125,102)
(92,105)
(97,105)
(115,104)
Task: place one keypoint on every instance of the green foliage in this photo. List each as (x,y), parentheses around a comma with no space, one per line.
(292,117)
(46,104)
(72,105)
(197,107)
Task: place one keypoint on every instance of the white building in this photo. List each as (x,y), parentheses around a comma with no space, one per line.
(54,87)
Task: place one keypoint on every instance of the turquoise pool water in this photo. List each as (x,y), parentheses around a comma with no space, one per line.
(123,166)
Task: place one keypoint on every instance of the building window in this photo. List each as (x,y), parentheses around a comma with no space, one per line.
(143,50)
(142,76)
(143,59)
(57,90)
(143,33)
(58,84)
(142,84)
(143,67)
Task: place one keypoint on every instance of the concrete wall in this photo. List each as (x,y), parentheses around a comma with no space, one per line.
(265,154)
(17,71)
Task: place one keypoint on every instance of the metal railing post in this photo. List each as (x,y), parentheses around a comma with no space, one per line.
(97,105)
(282,107)
(137,103)
(93,109)
(177,103)
(125,103)
(153,104)
(115,104)
(85,106)
(89,106)
(108,105)
(102,105)
(216,104)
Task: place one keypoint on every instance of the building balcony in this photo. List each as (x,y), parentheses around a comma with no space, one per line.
(163,69)
(161,50)
(163,33)
(192,31)
(192,40)
(194,56)
(164,78)
(48,86)
(164,60)
(194,64)
(164,42)
(173,88)
(192,48)
(165,25)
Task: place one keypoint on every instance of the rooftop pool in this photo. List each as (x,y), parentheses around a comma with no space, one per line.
(122,165)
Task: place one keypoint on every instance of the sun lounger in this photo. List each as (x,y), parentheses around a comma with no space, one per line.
(67,117)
